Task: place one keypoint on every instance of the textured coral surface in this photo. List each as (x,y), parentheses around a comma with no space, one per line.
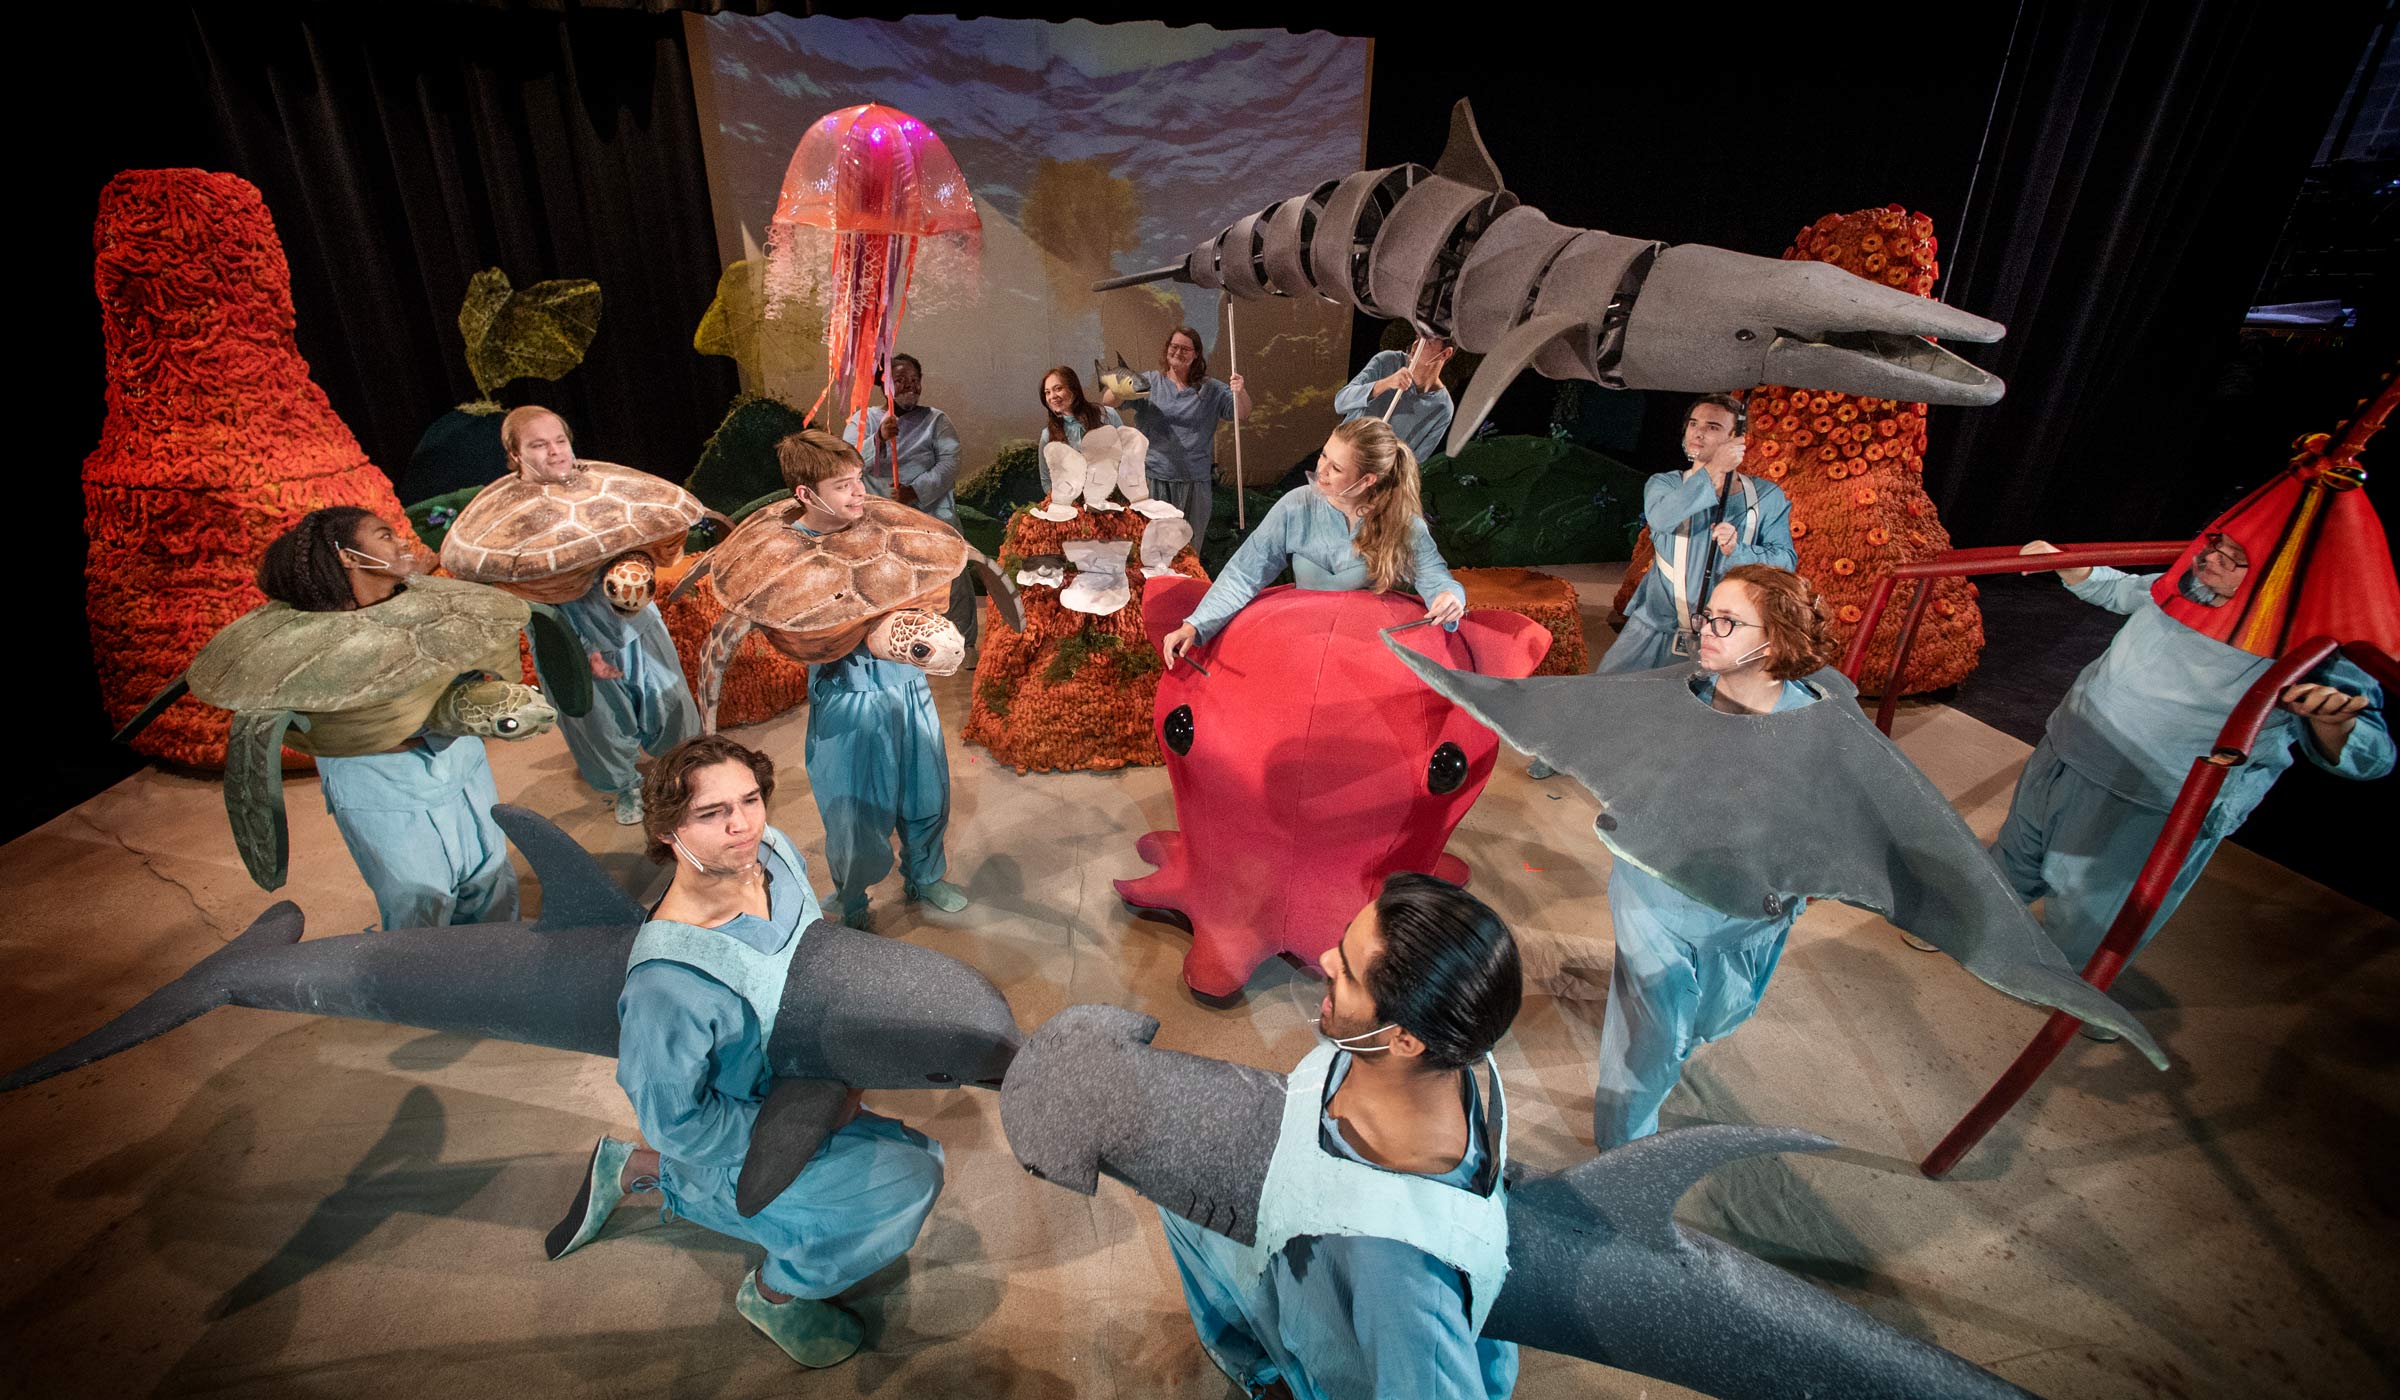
(1547,599)
(760,684)
(216,440)
(1072,691)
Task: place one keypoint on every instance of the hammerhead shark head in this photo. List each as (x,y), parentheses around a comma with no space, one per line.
(859,1012)
(1455,254)
(1597,1266)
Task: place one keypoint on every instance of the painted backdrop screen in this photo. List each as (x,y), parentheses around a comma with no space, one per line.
(1091,149)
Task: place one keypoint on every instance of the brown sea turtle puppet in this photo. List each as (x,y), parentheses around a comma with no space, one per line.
(883,582)
(545,541)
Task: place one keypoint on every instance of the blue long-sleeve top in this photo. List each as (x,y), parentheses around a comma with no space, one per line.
(927,448)
(1182,425)
(1670,499)
(1075,432)
(1309,533)
(1421,420)
(689,1054)
(1354,1315)
(2155,700)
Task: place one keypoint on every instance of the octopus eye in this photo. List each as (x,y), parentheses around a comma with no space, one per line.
(1179,729)
(507,725)
(1447,770)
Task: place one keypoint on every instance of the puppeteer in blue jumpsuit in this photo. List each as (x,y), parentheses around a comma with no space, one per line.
(1074,438)
(691,1057)
(2095,793)
(924,454)
(1685,974)
(648,710)
(1310,534)
(876,764)
(1678,508)
(1422,420)
(1181,425)
(418,821)
(1334,1306)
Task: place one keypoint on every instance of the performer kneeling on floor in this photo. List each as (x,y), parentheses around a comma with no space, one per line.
(1686,973)
(692,1058)
(1382,1235)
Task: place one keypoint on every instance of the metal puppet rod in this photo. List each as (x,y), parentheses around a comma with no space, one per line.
(1233,369)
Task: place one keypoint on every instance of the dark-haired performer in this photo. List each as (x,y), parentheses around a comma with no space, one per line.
(417,819)
(1383,1225)
(916,441)
(1685,973)
(698,1009)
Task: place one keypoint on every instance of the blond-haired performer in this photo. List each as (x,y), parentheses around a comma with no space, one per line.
(640,701)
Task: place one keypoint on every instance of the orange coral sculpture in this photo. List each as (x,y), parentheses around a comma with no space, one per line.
(216,441)
(1854,469)
(1072,691)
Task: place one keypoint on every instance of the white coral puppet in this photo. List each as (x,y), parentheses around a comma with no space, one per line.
(1129,450)
(1109,461)
(1162,539)
(1100,586)
(1067,473)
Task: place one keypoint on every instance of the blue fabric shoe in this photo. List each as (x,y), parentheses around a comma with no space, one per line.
(603,1187)
(1538,769)
(629,807)
(812,1332)
(941,894)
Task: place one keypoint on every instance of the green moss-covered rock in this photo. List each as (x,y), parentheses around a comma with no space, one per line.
(738,464)
(1529,501)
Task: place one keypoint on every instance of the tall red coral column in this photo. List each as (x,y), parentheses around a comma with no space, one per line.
(1854,469)
(216,441)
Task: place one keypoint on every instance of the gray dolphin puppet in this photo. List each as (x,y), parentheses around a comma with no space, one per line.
(1815,802)
(859,1012)
(1453,253)
(1597,1266)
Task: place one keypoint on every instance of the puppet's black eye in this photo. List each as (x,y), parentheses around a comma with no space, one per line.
(920,650)
(1179,729)
(937,1077)
(507,725)
(1447,770)
(1605,822)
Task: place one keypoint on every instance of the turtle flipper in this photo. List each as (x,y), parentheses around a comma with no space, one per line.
(564,662)
(176,690)
(722,644)
(1002,588)
(254,793)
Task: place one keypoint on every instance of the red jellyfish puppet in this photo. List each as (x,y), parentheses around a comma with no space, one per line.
(869,193)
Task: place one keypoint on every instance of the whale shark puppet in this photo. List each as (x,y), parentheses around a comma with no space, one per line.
(1453,253)
(859,1012)
(1597,1266)
(1744,812)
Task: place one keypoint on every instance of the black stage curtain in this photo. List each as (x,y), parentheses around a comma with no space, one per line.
(2140,162)
(402,149)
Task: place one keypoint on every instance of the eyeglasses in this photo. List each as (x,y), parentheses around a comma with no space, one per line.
(1718,624)
(2224,557)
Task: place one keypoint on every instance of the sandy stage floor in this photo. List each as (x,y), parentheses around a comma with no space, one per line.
(262,1204)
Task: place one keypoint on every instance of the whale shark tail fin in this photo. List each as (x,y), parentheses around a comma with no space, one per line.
(207,986)
(1635,1187)
(576,892)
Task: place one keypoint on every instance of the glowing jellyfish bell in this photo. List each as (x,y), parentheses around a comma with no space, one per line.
(873,211)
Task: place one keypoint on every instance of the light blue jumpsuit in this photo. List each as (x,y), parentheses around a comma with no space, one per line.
(927,449)
(1182,427)
(690,1059)
(649,711)
(876,764)
(1075,432)
(1682,502)
(1420,420)
(1309,533)
(419,823)
(2095,793)
(1343,1315)
(1685,974)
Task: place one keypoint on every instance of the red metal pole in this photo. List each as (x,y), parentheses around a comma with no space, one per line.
(2192,803)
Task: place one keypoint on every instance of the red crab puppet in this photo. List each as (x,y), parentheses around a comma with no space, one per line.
(1307,765)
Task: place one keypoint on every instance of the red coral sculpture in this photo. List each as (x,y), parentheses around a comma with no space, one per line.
(1854,469)
(1072,691)
(216,441)
(760,684)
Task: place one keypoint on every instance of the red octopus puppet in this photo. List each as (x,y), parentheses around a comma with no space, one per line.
(1308,764)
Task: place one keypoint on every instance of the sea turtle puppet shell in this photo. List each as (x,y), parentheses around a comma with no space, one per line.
(548,540)
(367,677)
(817,596)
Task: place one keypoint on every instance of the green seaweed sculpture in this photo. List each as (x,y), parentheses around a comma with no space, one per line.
(540,332)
